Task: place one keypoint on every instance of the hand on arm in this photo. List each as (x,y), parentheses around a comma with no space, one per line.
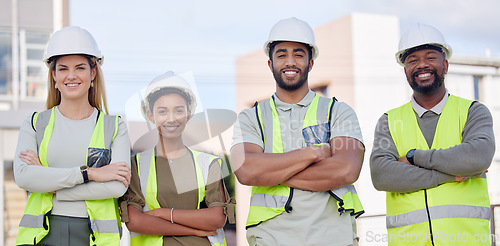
(341,169)
(473,156)
(152,225)
(206,219)
(388,174)
(403,159)
(255,168)
(119,171)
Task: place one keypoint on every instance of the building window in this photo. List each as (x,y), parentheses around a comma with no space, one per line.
(5,63)
(477,87)
(33,70)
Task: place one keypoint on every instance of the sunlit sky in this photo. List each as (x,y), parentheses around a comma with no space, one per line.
(143,39)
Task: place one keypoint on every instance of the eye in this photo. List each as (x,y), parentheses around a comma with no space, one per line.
(180,111)
(62,69)
(162,111)
(411,60)
(299,55)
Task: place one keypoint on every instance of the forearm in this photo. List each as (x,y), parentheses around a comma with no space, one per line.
(341,169)
(207,219)
(151,225)
(268,169)
(393,176)
(92,191)
(45,179)
(390,175)
(470,158)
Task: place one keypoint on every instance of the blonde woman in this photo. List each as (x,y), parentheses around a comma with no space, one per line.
(73,158)
(177,195)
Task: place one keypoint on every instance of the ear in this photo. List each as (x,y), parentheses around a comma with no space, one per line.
(53,74)
(150,117)
(188,116)
(445,66)
(93,72)
(311,64)
(270,64)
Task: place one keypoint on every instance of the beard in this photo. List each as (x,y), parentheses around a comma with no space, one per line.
(437,83)
(290,87)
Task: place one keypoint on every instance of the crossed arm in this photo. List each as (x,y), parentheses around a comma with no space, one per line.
(433,167)
(315,168)
(198,222)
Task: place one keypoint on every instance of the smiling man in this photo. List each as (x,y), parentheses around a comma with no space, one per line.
(299,151)
(431,154)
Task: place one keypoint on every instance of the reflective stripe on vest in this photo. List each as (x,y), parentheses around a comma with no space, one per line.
(104,221)
(269,202)
(456,208)
(146,168)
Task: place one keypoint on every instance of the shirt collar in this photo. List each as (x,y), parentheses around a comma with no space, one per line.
(438,108)
(304,102)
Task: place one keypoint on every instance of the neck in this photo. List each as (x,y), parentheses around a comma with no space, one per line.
(292,97)
(170,147)
(75,110)
(428,101)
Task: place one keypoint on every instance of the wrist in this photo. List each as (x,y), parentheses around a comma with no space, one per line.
(410,155)
(84,170)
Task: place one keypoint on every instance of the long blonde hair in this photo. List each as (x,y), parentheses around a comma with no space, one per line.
(97,93)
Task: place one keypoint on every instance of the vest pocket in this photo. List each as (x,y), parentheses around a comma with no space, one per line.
(316,134)
(98,157)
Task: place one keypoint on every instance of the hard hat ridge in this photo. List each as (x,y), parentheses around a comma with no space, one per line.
(292,30)
(168,81)
(419,37)
(72,40)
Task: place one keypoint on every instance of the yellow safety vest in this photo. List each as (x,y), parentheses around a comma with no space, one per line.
(146,166)
(104,219)
(454,213)
(268,202)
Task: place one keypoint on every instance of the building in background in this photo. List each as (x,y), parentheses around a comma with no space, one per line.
(25,28)
(357,65)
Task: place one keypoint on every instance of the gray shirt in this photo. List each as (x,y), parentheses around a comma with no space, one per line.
(66,152)
(314,219)
(433,167)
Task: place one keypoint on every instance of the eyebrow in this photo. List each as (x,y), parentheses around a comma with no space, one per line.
(77,65)
(294,50)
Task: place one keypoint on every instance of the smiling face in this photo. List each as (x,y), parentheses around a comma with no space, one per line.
(290,65)
(170,115)
(425,70)
(72,75)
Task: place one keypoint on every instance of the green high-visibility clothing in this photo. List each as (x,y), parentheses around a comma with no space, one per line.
(104,219)
(146,167)
(270,201)
(454,213)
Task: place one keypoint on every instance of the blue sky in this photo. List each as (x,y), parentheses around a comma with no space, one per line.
(143,39)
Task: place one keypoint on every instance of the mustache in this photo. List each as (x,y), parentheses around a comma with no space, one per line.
(292,67)
(425,70)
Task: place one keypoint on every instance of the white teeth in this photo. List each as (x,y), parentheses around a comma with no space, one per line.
(71,85)
(424,75)
(290,72)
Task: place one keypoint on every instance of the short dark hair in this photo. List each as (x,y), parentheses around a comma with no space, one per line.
(273,44)
(153,97)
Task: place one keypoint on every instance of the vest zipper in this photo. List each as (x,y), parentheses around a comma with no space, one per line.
(428,216)
(289,208)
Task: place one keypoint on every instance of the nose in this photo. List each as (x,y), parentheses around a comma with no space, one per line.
(170,116)
(72,74)
(290,61)
(422,63)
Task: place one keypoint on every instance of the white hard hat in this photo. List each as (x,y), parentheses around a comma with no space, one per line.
(292,30)
(72,40)
(167,80)
(421,35)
